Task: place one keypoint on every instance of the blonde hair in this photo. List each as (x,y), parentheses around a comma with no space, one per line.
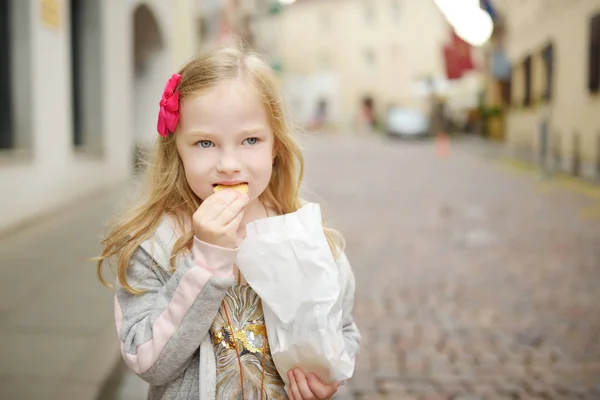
(166,188)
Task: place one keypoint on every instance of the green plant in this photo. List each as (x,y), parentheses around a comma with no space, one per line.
(490,112)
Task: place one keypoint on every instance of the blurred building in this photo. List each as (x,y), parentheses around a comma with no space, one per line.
(80,83)
(339,56)
(554,50)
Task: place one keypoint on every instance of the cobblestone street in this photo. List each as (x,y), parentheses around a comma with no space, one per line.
(472,281)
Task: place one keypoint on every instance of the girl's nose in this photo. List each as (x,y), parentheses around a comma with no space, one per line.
(228,164)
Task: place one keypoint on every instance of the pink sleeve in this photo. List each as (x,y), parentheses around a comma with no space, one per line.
(217,260)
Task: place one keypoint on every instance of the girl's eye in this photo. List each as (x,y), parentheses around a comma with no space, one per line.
(205,144)
(251,141)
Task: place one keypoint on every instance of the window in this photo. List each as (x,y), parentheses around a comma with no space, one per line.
(369,58)
(548,57)
(395,51)
(594,56)
(6,98)
(395,6)
(527,81)
(15,75)
(76,61)
(202,29)
(505,91)
(325,60)
(325,21)
(369,11)
(86,87)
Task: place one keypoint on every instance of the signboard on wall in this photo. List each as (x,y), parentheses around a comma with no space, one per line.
(51,12)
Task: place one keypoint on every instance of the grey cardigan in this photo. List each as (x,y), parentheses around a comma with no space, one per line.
(164,332)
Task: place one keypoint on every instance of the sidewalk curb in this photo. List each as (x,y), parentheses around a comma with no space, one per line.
(567,182)
(59,209)
(491,151)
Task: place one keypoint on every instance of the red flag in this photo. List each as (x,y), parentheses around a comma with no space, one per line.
(457,56)
(453,70)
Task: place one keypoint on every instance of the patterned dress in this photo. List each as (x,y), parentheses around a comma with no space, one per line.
(242,308)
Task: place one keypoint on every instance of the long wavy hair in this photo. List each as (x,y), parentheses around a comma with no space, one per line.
(166,190)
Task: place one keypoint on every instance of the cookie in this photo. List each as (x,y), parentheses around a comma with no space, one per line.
(240,187)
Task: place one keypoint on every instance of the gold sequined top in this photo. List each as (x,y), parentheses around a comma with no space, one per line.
(243,307)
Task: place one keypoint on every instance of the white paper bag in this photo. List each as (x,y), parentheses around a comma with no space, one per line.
(287,261)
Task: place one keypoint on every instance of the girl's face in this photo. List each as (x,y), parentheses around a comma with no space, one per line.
(224,137)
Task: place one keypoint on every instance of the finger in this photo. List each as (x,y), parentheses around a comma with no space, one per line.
(235,222)
(305,391)
(224,196)
(295,393)
(232,211)
(216,203)
(321,390)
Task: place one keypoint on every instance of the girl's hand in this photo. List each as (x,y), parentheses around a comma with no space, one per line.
(218,218)
(308,387)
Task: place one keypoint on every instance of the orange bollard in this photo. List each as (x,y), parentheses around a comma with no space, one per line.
(442,144)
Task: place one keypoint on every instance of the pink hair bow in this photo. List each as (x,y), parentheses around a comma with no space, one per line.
(168,116)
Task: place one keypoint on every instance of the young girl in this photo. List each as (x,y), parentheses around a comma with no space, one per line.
(188,322)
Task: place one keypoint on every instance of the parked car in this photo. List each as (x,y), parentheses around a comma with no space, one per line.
(407,123)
